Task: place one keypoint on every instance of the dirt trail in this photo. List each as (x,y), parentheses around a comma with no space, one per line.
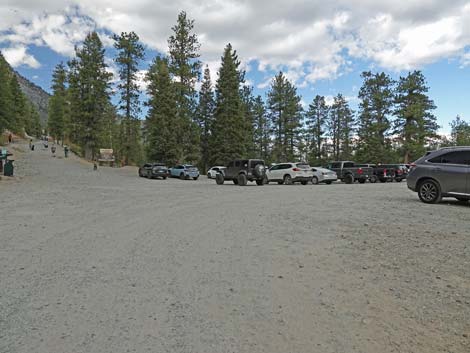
(108,262)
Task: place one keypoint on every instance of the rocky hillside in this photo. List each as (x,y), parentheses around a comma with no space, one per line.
(36,95)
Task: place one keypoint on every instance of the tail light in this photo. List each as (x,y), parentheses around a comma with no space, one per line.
(359,170)
(296,169)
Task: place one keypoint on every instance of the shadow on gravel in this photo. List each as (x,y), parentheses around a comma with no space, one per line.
(444,202)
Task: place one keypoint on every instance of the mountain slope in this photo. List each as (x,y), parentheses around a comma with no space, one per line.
(36,95)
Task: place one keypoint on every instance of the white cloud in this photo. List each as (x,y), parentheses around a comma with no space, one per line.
(18,55)
(309,40)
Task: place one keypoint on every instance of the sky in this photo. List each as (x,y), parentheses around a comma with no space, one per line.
(321,46)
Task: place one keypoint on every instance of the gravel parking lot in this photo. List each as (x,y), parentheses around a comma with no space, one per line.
(104,261)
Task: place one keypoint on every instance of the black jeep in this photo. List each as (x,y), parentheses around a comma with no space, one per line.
(240,171)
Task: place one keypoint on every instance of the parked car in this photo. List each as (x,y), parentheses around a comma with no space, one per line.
(184,171)
(211,173)
(153,170)
(400,171)
(240,171)
(323,175)
(441,173)
(289,173)
(349,172)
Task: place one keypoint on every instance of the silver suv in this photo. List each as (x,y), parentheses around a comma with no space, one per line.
(442,173)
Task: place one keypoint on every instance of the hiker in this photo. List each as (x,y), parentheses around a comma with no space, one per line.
(53,150)
(10,138)
(95,166)
(66,151)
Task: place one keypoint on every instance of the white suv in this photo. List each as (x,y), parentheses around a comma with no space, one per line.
(289,173)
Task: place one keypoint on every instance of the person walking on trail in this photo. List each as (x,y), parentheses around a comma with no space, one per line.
(10,138)
(53,150)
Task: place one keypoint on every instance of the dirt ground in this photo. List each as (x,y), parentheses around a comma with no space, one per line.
(104,261)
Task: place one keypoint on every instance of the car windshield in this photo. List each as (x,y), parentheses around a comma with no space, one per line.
(303,166)
(190,167)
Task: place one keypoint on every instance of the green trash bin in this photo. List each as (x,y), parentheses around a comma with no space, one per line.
(8,168)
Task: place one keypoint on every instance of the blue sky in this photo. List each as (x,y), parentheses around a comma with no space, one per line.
(322,47)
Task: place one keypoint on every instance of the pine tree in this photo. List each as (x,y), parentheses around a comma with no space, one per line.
(89,83)
(284,112)
(261,130)
(6,98)
(205,116)
(130,52)
(460,132)
(376,95)
(315,121)
(340,128)
(162,123)
(58,104)
(248,102)
(415,123)
(185,66)
(19,106)
(229,138)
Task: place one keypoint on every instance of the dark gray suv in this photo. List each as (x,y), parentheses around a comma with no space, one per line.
(442,173)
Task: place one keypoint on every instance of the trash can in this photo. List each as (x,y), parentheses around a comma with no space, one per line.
(8,168)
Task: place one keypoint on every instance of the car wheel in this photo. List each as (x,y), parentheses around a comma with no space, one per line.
(373,179)
(219,179)
(209,175)
(182,176)
(362,181)
(242,181)
(262,181)
(462,199)
(349,179)
(429,191)
(195,178)
(314,180)
(287,179)
(164,178)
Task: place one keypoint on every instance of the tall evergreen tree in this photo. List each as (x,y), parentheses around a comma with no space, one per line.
(6,98)
(185,67)
(248,104)
(377,96)
(58,104)
(205,116)
(261,130)
(130,53)
(89,83)
(340,128)
(415,122)
(284,112)
(162,123)
(315,121)
(229,138)
(19,106)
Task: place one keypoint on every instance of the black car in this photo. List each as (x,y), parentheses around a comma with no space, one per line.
(153,170)
(240,171)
